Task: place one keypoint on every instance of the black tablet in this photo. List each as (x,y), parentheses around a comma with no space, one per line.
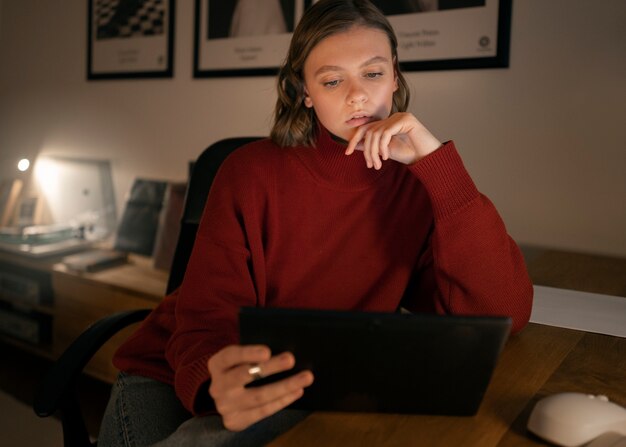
(383,362)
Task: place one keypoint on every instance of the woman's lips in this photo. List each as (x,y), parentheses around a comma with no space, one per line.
(359,121)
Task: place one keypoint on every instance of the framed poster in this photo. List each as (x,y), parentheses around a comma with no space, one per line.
(450,34)
(130,39)
(239,38)
(243,37)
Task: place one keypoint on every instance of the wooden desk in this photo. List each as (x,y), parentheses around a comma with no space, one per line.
(577,271)
(83,298)
(70,301)
(539,361)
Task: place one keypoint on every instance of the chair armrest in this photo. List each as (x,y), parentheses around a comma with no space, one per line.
(59,383)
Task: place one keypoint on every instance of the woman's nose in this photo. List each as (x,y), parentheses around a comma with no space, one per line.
(356,94)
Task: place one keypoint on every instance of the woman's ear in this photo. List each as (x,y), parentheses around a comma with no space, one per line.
(308,102)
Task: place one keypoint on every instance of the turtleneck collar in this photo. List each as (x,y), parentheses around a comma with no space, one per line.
(330,166)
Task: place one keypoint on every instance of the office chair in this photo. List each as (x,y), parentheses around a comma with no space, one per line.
(58,390)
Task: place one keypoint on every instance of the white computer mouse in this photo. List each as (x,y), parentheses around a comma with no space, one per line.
(573,419)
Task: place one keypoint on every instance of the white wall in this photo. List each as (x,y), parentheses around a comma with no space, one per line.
(544,139)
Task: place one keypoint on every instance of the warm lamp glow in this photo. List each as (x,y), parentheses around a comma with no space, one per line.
(23,164)
(47,174)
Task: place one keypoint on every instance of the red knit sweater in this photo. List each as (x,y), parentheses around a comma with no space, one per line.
(311,227)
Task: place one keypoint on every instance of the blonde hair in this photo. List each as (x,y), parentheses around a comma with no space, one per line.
(295,124)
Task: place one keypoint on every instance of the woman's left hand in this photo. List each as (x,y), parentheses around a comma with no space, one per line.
(400,137)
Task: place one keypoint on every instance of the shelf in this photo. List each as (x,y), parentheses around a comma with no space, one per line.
(22,306)
(43,350)
(65,302)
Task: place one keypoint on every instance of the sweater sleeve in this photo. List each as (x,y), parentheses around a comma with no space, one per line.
(471,266)
(218,281)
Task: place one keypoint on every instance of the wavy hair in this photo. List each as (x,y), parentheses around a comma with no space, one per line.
(294,124)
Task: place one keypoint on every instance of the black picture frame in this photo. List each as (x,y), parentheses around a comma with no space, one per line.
(219,53)
(462,34)
(133,39)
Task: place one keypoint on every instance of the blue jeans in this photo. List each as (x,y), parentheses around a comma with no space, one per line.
(144,412)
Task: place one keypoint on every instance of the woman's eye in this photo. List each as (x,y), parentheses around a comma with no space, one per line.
(333,83)
(373,74)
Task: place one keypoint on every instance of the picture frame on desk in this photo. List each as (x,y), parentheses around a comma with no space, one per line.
(130,39)
(29,211)
(238,38)
(10,191)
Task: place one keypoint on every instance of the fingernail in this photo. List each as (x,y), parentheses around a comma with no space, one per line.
(306,379)
(261,350)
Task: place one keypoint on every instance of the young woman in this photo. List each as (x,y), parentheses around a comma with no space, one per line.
(351,204)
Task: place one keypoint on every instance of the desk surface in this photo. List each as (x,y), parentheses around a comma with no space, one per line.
(138,276)
(540,361)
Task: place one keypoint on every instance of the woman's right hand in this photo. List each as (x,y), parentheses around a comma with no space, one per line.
(241,407)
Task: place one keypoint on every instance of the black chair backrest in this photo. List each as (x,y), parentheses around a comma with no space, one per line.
(200,181)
